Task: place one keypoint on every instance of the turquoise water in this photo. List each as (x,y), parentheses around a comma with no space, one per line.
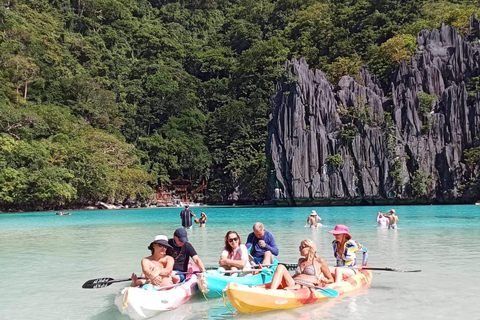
(45,259)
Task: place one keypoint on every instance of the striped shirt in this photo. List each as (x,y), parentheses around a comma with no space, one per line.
(349,258)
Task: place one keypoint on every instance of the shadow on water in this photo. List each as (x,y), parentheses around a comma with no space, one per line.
(111,312)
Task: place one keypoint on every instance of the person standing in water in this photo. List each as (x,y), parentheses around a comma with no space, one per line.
(203,220)
(392,218)
(314,219)
(382,221)
(186,216)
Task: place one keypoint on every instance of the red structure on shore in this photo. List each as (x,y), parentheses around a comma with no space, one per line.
(178,192)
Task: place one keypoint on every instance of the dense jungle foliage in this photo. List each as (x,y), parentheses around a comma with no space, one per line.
(104,99)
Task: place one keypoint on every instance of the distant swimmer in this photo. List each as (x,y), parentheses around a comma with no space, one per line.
(392,219)
(382,221)
(314,219)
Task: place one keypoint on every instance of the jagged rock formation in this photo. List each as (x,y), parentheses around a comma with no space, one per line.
(350,143)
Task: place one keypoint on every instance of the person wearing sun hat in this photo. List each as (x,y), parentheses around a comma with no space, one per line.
(344,250)
(182,250)
(313,220)
(157,268)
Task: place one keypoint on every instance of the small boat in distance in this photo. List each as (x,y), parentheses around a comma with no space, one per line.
(64,214)
(477,203)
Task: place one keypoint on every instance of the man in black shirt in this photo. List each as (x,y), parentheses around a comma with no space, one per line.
(181,251)
(186,216)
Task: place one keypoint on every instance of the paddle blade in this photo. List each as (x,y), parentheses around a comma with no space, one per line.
(290,266)
(97,283)
(327,292)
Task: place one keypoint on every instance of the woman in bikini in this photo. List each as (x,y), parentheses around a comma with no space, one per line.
(312,270)
(157,268)
(314,219)
(344,249)
(203,220)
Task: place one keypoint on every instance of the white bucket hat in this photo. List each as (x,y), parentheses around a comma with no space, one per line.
(313,213)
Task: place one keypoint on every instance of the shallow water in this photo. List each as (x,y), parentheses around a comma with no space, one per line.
(45,259)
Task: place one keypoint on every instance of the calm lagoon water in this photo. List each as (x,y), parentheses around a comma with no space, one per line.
(45,259)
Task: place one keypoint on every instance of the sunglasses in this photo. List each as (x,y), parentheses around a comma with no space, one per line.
(232,239)
(302,247)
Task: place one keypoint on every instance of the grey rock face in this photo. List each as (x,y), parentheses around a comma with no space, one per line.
(350,143)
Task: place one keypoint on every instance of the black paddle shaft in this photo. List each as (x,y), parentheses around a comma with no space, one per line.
(103,282)
(292,266)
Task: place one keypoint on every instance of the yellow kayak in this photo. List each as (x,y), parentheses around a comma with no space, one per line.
(253,299)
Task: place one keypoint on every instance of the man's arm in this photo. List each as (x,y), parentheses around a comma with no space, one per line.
(270,244)
(198,262)
(249,240)
(168,267)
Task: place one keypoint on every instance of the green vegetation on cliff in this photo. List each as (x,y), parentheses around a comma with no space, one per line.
(103,99)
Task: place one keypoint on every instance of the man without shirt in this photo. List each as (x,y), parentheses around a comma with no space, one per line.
(392,218)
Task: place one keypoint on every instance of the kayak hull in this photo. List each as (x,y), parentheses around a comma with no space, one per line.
(212,283)
(138,303)
(261,299)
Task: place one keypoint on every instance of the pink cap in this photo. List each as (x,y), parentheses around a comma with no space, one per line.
(340,229)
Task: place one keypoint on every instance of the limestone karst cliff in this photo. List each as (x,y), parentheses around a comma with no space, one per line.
(354,143)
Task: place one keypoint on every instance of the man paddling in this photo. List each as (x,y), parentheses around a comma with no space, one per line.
(181,250)
(263,245)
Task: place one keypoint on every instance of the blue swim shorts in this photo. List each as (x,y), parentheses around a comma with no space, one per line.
(258,259)
(182,276)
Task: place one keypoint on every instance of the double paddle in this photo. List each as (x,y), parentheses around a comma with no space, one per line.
(292,266)
(105,282)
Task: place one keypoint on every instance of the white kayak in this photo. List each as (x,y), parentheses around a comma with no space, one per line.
(139,303)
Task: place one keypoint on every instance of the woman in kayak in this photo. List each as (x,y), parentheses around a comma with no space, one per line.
(235,255)
(311,271)
(157,268)
(344,249)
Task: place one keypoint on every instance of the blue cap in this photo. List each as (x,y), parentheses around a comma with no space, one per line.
(181,234)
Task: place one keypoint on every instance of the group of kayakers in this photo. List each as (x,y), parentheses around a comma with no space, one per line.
(312,270)
(387,220)
(169,259)
(168,262)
